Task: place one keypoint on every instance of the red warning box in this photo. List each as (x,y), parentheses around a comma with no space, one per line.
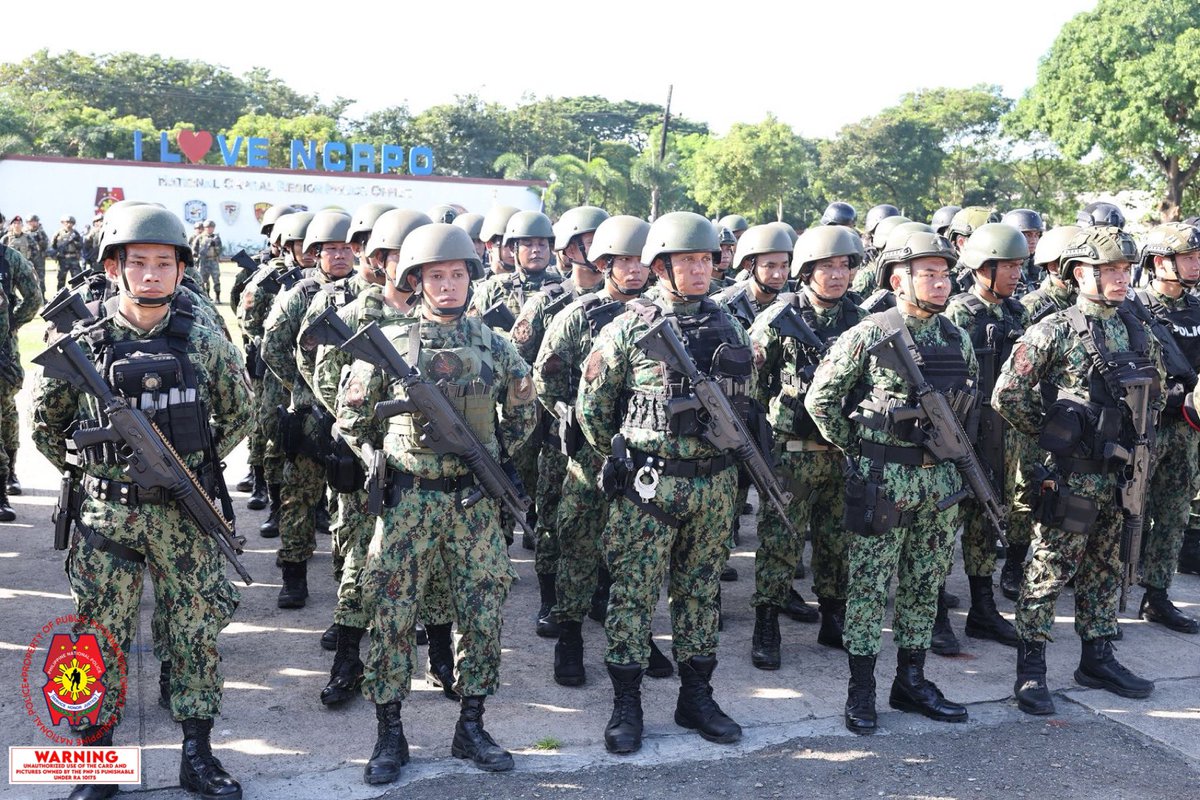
(74,765)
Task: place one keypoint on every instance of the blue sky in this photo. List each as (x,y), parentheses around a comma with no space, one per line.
(816,66)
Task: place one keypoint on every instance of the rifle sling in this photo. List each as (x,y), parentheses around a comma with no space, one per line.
(107,545)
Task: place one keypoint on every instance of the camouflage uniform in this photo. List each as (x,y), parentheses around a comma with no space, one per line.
(812,466)
(21,242)
(428,522)
(24,300)
(41,243)
(640,547)
(68,247)
(208,256)
(1049,355)
(187,569)
(920,547)
(269,392)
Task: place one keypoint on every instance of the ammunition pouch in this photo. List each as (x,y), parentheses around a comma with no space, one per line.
(1077,431)
(614,476)
(802,422)
(1059,508)
(343,470)
(868,511)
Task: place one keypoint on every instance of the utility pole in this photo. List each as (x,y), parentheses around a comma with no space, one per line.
(656,190)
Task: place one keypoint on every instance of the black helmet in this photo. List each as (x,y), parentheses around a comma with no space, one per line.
(839,213)
(941,219)
(1100,213)
(877,214)
(1024,219)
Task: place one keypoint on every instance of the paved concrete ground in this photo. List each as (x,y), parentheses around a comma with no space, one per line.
(280,742)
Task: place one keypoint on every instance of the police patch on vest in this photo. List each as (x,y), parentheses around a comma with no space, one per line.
(445,366)
(522,332)
(595,366)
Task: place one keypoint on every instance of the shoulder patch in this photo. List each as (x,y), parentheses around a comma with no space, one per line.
(522,332)
(521,391)
(595,366)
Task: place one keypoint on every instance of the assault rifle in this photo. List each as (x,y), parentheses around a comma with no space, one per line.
(725,428)
(151,462)
(945,438)
(1132,483)
(443,430)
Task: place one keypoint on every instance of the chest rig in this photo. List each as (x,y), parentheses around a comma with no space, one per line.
(1087,435)
(802,357)
(994,338)
(712,342)
(942,365)
(1183,323)
(156,376)
(465,374)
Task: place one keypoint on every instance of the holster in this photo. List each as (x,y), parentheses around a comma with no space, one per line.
(1058,507)
(382,491)
(256,365)
(614,475)
(570,435)
(66,510)
(343,471)
(291,430)
(868,511)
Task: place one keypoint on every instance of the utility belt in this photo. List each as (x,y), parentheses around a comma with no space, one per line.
(868,511)
(683,468)
(1056,506)
(1083,437)
(395,483)
(292,439)
(897,454)
(679,416)
(132,495)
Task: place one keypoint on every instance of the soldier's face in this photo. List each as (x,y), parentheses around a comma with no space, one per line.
(831,277)
(445,284)
(692,271)
(533,254)
(629,273)
(337,259)
(151,270)
(723,265)
(34,224)
(930,280)
(480,250)
(1032,238)
(1114,280)
(306,258)
(772,269)
(1187,267)
(68,224)
(1008,275)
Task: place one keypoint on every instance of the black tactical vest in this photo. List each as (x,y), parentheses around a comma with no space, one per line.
(1183,323)
(993,337)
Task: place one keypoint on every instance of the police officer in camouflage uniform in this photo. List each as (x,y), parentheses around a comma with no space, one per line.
(41,245)
(491,232)
(866,282)
(821,265)
(24,296)
(257,300)
(66,247)
(722,277)
(615,250)
(302,435)
(1171,254)
(996,251)
(572,237)
(487,381)
(124,531)
(1032,227)
(894,508)
(1063,385)
(678,517)
(208,253)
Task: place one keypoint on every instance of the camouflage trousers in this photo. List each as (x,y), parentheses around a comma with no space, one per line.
(256,439)
(919,555)
(303,487)
(210,273)
(351,532)
(67,268)
(401,560)
(1021,488)
(1092,558)
(581,517)
(551,470)
(641,550)
(193,600)
(815,479)
(1175,482)
(11,433)
(39,271)
(266,419)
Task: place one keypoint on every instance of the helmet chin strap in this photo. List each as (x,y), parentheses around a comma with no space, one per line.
(1174,269)
(1098,296)
(444,313)
(146,302)
(687,298)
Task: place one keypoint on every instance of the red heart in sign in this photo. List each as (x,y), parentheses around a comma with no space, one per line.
(195,144)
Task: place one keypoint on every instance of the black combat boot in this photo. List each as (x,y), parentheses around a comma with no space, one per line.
(951,600)
(91,737)
(6,510)
(295,585)
(660,665)
(440,669)
(729,573)
(1099,669)
(599,609)
(911,692)
(473,742)
(833,621)
(983,620)
(696,710)
(1013,571)
(568,654)
(799,610)
(346,674)
(259,497)
(623,734)
(199,769)
(164,685)
(329,638)
(547,625)
(13,485)
(1033,697)
(1157,607)
(391,748)
(764,644)
(1189,554)
(246,483)
(860,698)
(945,643)
(270,528)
